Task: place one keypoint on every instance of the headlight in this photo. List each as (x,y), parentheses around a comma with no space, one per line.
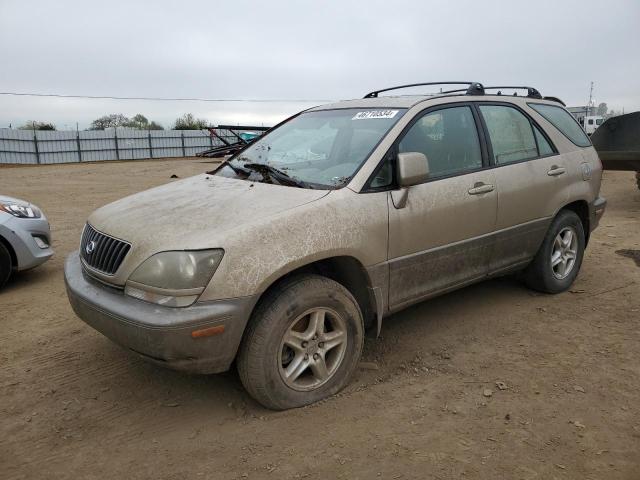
(20,210)
(173,279)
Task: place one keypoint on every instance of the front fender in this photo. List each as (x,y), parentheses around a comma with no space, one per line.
(344,223)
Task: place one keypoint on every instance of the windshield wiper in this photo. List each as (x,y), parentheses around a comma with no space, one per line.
(237,170)
(281,177)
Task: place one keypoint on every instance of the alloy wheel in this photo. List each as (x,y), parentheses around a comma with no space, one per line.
(564,252)
(312,349)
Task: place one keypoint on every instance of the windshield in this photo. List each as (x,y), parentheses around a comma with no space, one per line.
(321,149)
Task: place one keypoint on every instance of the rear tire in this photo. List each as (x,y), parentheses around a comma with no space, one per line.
(302,344)
(557,263)
(6,265)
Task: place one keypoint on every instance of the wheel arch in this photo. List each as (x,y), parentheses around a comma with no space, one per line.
(344,269)
(12,252)
(580,208)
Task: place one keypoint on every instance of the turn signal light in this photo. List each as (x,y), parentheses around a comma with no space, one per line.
(208,332)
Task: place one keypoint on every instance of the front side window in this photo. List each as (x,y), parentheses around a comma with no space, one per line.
(319,149)
(510,132)
(449,139)
(563,121)
(598,121)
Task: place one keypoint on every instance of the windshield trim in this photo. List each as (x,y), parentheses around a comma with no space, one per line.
(321,186)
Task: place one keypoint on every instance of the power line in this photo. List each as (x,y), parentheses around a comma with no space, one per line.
(164,99)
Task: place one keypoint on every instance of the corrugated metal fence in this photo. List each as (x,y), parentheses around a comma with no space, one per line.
(47,147)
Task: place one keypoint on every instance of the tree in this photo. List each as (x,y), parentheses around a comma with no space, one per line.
(189,122)
(139,122)
(33,125)
(602,109)
(109,121)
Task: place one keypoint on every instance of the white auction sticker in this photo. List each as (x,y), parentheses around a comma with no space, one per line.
(369,114)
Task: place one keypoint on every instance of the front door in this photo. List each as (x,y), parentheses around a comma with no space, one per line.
(440,238)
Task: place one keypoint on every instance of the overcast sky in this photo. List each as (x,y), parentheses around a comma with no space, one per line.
(292,50)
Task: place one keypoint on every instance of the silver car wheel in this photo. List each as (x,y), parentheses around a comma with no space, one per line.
(312,349)
(564,252)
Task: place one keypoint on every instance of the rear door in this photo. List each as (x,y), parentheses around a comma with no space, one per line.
(531,179)
(438,239)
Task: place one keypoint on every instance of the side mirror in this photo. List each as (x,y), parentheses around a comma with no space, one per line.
(413,168)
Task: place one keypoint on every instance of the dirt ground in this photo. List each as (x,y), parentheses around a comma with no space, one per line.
(74,405)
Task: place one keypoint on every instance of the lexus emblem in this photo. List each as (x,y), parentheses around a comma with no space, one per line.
(91,246)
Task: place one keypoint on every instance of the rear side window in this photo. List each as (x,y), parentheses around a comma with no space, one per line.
(511,134)
(449,139)
(563,121)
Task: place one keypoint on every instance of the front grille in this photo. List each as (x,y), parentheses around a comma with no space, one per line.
(102,252)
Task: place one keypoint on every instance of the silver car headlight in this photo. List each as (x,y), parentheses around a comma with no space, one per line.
(173,279)
(20,210)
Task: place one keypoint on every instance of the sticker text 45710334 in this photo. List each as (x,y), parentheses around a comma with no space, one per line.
(372,114)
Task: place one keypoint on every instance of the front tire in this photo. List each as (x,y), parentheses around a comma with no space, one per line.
(558,261)
(5,265)
(303,343)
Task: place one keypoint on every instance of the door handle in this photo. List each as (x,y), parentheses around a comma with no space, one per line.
(555,171)
(479,188)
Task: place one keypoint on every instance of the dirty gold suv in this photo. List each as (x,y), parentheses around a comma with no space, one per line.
(291,249)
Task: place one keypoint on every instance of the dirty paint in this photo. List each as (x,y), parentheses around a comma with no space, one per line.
(265,230)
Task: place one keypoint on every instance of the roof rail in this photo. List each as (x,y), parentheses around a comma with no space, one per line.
(555,99)
(474,88)
(531,92)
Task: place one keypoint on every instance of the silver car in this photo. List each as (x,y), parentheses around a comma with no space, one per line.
(25,237)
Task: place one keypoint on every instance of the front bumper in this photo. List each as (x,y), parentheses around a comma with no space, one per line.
(596,210)
(160,334)
(20,233)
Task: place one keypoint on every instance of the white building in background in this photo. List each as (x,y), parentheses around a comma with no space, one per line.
(587,118)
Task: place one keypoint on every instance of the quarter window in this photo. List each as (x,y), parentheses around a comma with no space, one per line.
(563,121)
(384,174)
(449,139)
(511,134)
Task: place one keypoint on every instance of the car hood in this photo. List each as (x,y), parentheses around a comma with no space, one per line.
(194,213)
(4,198)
